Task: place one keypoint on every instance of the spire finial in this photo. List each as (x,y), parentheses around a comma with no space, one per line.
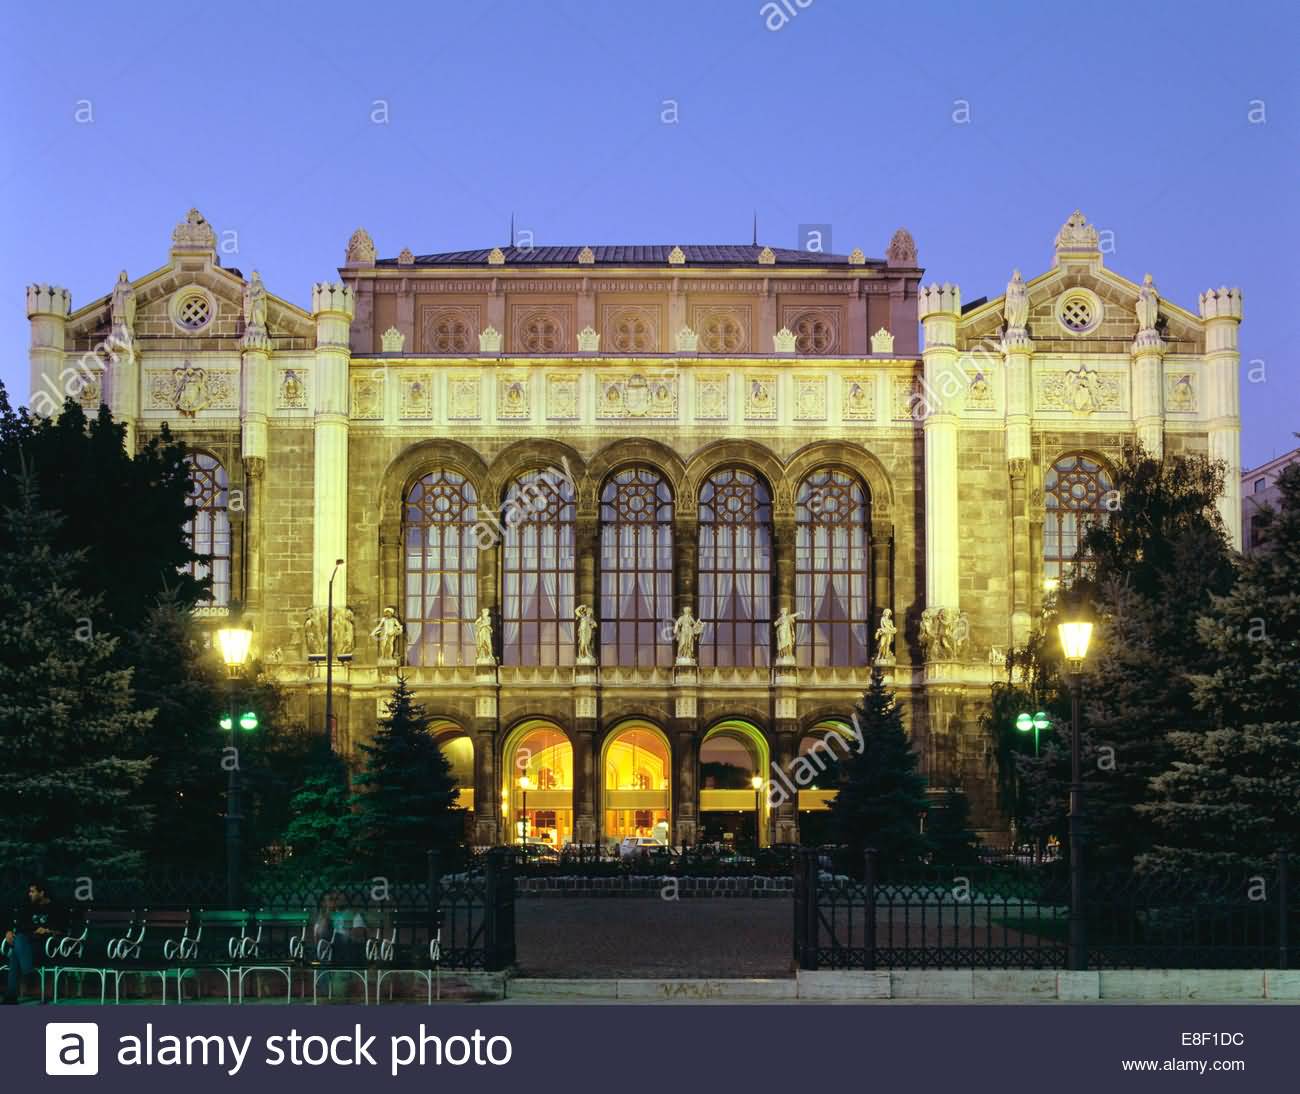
(755,238)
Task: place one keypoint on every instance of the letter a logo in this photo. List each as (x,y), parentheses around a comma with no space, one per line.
(71,1048)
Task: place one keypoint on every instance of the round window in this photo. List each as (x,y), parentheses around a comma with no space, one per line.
(1079,311)
(192,310)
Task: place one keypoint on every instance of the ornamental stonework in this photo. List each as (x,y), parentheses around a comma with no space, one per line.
(979,389)
(368,397)
(190,389)
(636,396)
(1081,391)
(711,397)
(512,396)
(858,398)
(541,329)
(291,389)
(721,329)
(449,330)
(464,394)
(760,397)
(810,399)
(1180,394)
(626,329)
(90,393)
(909,398)
(562,396)
(415,395)
(816,331)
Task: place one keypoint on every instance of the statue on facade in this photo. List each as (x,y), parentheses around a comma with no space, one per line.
(784,625)
(255,306)
(345,631)
(483,638)
(959,637)
(586,634)
(123,307)
(1016,307)
(313,631)
(1148,305)
(885,638)
(687,630)
(929,633)
(388,630)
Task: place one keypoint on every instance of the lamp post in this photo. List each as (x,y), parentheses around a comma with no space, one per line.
(1036,722)
(757,783)
(234,642)
(525,785)
(329,656)
(1075,635)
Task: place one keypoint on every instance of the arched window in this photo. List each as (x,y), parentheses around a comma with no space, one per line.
(735,569)
(1074,491)
(636,569)
(208,528)
(438,536)
(537,564)
(831,569)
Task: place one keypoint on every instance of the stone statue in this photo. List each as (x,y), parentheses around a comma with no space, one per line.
(1148,305)
(959,639)
(123,307)
(785,634)
(344,631)
(388,630)
(483,638)
(687,630)
(885,638)
(586,634)
(313,631)
(255,305)
(947,631)
(929,633)
(1016,308)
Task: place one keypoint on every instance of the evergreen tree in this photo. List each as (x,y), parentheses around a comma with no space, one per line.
(952,840)
(1231,796)
(70,799)
(882,794)
(320,837)
(408,789)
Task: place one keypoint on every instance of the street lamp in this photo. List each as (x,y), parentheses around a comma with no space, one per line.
(329,656)
(234,642)
(525,785)
(1075,634)
(757,783)
(1036,722)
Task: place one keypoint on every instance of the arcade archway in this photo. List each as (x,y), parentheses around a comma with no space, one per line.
(733,753)
(636,783)
(537,785)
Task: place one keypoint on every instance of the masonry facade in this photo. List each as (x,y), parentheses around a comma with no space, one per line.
(498,441)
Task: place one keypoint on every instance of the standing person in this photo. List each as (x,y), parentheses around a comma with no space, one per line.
(38,921)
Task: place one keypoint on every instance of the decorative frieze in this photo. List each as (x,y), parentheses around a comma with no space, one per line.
(562,396)
(979,388)
(368,396)
(636,396)
(190,389)
(858,398)
(415,395)
(810,399)
(464,396)
(291,389)
(760,397)
(1180,394)
(513,403)
(1081,391)
(711,396)
(908,398)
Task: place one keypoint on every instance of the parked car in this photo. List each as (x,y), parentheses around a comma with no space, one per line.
(632,846)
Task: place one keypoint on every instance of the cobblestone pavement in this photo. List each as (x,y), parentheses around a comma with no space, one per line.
(648,937)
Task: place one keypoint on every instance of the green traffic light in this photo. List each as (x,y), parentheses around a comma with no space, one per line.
(248,721)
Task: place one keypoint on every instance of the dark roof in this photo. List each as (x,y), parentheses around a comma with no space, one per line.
(697,254)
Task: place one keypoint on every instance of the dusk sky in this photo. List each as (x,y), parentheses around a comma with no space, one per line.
(979,127)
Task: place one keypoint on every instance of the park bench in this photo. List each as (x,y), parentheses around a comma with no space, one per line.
(339,953)
(215,941)
(150,948)
(90,947)
(277,942)
(411,943)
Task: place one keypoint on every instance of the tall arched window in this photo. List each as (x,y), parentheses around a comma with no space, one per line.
(438,536)
(208,528)
(537,563)
(735,569)
(1074,491)
(636,569)
(831,569)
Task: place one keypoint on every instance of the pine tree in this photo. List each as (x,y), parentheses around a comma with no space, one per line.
(948,828)
(321,836)
(408,789)
(1231,795)
(70,800)
(882,794)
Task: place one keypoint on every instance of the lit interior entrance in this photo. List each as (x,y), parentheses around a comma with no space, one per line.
(455,744)
(537,785)
(732,754)
(637,789)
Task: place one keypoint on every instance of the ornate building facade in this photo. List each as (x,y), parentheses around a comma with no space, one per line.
(635,522)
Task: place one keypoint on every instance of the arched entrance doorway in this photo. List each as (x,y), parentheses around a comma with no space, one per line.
(537,785)
(816,772)
(733,754)
(636,785)
(458,748)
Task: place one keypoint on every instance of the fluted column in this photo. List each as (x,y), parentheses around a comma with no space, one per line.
(1018,353)
(332,306)
(945,385)
(48,307)
(255,406)
(1148,392)
(1221,313)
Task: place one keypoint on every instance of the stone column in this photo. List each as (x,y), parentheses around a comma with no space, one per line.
(332,306)
(1221,313)
(786,828)
(945,385)
(768,320)
(405,319)
(677,316)
(255,403)
(48,307)
(882,573)
(1148,392)
(783,559)
(254,478)
(686,790)
(1018,352)
(686,556)
(586,776)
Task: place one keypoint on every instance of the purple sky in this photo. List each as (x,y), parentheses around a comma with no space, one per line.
(1139,115)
